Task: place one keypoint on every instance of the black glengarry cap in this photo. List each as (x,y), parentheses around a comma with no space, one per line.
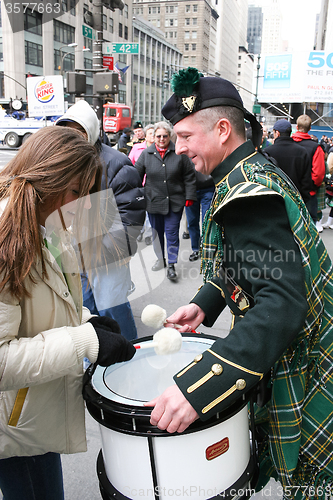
(193,92)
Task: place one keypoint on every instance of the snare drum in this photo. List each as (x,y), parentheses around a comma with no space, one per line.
(210,459)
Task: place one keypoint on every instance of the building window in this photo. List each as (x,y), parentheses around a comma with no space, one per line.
(187,8)
(194,35)
(64,5)
(63,32)
(126,32)
(88,64)
(105,22)
(187,21)
(88,43)
(111,25)
(172,9)
(126,11)
(194,46)
(187,35)
(72,8)
(120,31)
(195,8)
(193,59)
(186,46)
(33,21)
(33,54)
(195,21)
(171,22)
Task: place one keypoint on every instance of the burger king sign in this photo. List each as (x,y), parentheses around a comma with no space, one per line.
(44,91)
(45,95)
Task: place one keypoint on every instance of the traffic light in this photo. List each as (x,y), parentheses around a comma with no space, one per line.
(76,82)
(166,77)
(106,83)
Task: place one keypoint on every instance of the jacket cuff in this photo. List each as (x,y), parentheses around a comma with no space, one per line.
(86,341)
(212,383)
(210,298)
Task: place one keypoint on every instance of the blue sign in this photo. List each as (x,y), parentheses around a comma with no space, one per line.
(277,71)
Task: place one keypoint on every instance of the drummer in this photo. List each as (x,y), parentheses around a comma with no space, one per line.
(262,257)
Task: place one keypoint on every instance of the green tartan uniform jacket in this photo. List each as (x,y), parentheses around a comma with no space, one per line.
(281,293)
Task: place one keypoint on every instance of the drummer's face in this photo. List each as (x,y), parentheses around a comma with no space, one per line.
(202,146)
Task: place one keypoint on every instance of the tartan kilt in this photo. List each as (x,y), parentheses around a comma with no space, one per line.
(321,194)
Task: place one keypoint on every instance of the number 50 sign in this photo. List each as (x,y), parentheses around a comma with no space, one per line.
(121,48)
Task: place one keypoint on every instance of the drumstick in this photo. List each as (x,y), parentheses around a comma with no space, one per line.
(165,341)
(155,316)
(148,345)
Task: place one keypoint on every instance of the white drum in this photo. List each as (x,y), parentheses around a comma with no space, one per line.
(139,461)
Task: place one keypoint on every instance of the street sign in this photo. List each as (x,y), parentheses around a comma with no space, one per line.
(108,62)
(121,48)
(87,32)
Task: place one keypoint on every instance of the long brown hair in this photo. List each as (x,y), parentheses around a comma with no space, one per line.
(39,174)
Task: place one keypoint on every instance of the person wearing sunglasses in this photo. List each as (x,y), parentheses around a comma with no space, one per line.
(170,185)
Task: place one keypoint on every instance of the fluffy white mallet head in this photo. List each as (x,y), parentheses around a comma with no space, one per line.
(154,316)
(168,341)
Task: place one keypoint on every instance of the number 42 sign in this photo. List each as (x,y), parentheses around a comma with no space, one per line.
(121,48)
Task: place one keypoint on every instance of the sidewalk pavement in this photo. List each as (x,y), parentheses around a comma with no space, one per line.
(80,477)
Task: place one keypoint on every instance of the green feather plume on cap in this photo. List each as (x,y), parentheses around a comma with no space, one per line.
(183,83)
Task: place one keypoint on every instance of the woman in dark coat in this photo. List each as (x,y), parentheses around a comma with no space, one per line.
(170,185)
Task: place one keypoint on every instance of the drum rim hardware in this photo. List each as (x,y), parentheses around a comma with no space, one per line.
(134,420)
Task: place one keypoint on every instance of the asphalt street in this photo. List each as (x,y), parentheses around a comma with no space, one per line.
(80,477)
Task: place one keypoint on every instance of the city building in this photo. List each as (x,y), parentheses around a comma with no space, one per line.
(151,70)
(43,41)
(191,26)
(244,82)
(272,28)
(254,29)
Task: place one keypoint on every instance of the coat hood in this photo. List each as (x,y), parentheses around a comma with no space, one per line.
(84,115)
(300,136)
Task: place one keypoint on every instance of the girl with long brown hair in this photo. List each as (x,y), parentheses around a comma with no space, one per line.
(44,331)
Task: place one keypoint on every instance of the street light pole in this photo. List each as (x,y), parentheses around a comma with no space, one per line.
(62,57)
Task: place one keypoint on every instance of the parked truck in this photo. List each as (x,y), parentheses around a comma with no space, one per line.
(115,118)
(13,131)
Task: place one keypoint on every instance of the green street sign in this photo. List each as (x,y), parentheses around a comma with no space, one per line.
(87,32)
(121,48)
(256,109)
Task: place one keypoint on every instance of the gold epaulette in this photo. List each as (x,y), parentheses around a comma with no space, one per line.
(245,190)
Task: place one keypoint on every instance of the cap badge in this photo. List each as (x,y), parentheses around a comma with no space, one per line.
(188,103)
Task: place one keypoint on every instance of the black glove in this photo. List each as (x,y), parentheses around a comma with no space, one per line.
(113,347)
(106,323)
